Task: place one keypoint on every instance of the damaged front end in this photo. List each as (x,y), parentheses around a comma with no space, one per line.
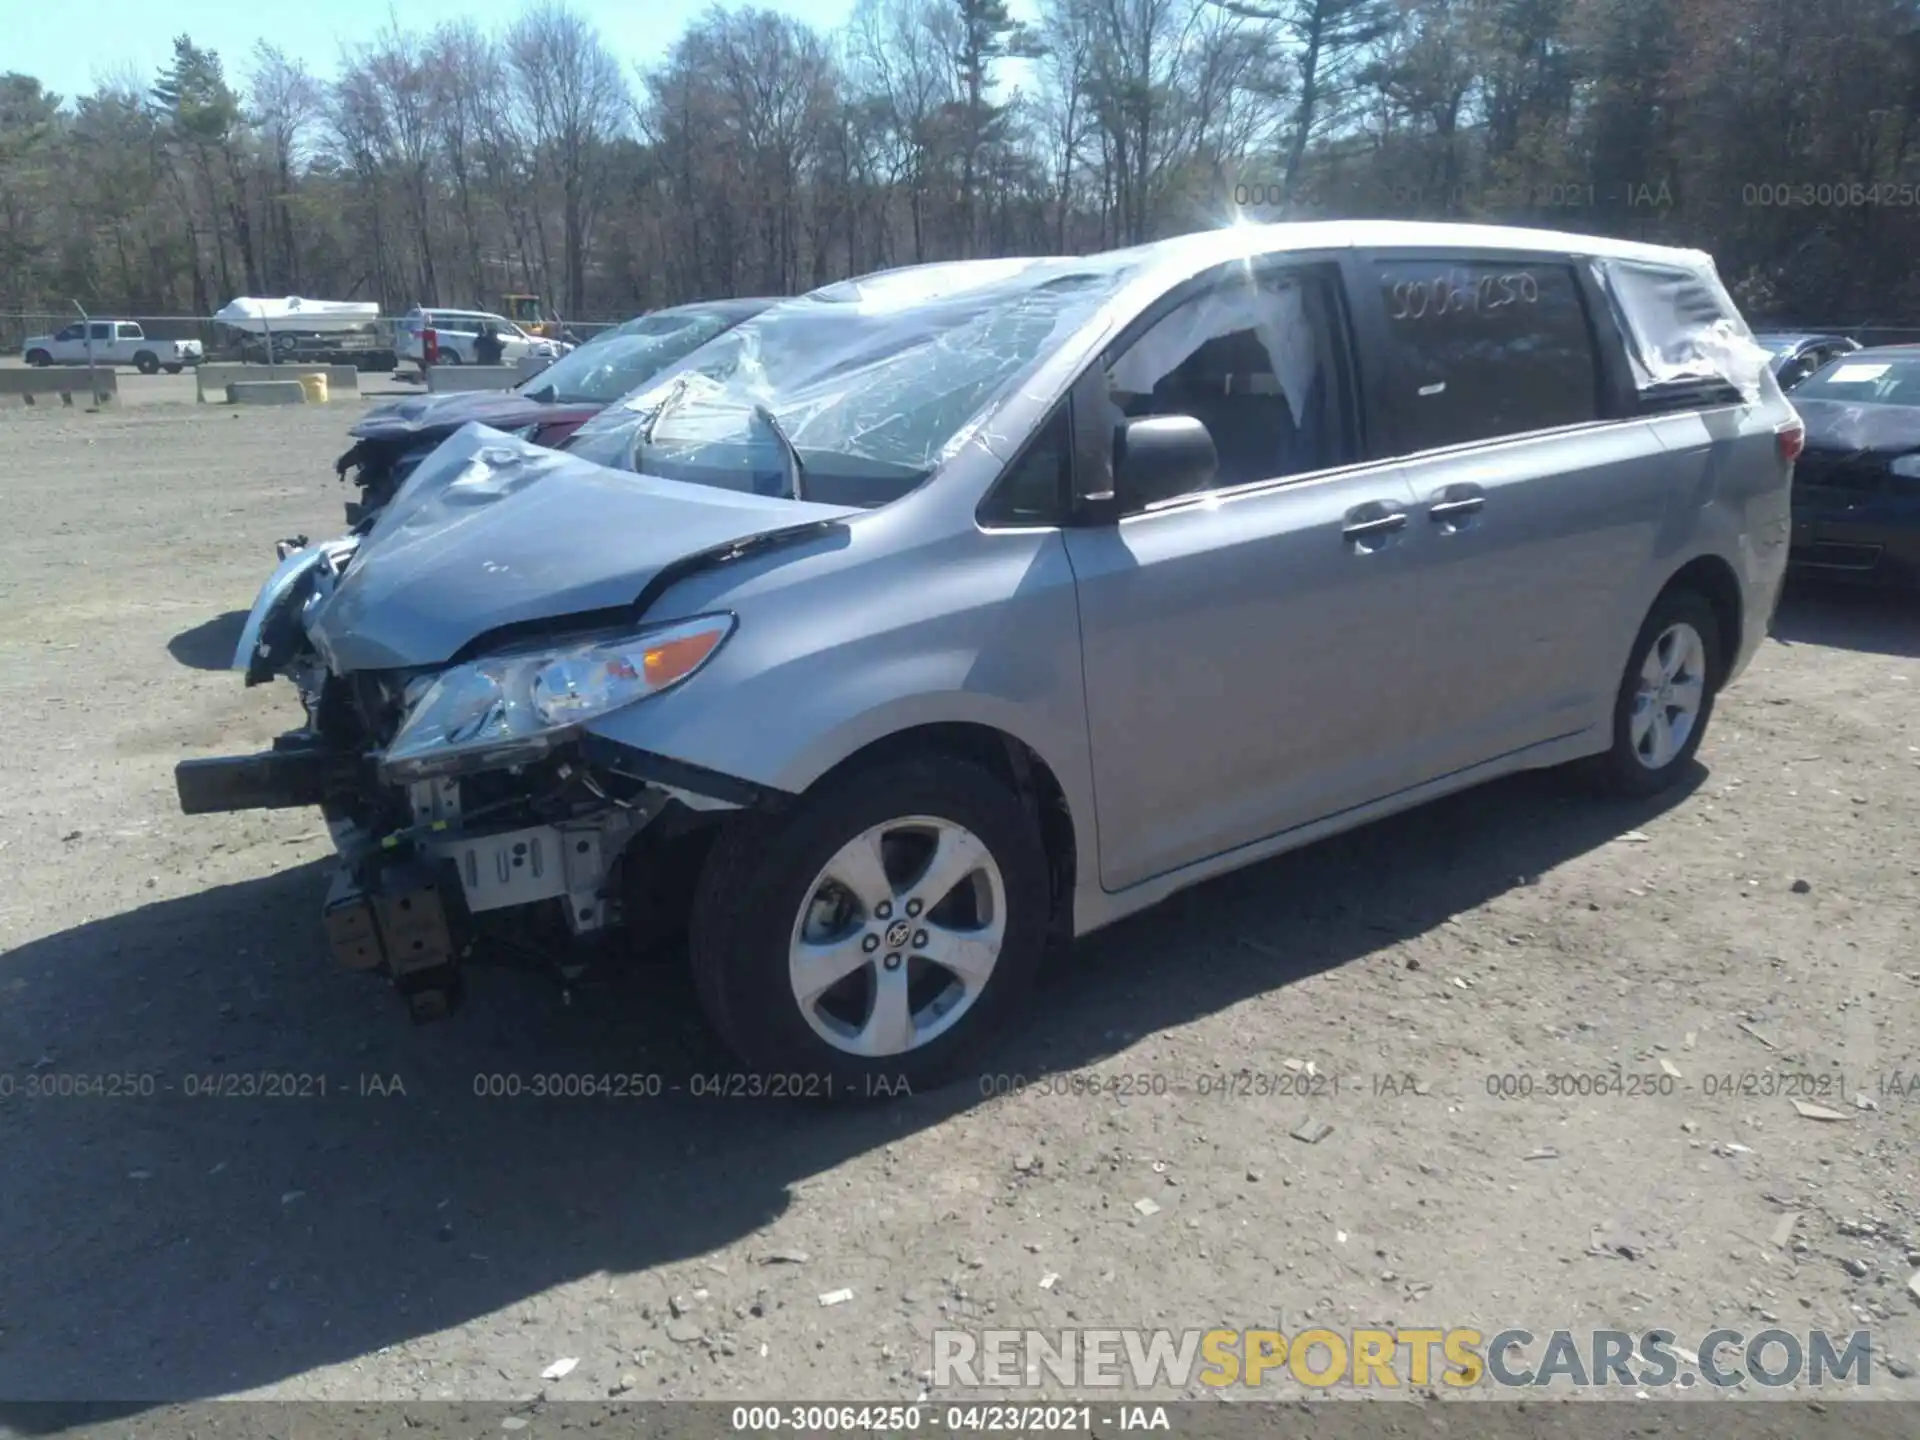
(528,858)
(446,739)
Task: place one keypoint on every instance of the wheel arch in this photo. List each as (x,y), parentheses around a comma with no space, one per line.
(1012,761)
(1711,578)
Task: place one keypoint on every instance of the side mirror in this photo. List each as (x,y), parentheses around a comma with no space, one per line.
(1159,457)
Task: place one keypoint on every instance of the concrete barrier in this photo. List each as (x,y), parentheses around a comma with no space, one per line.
(214,379)
(267,392)
(64,381)
(459,379)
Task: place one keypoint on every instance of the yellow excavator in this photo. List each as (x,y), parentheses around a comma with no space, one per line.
(530,313)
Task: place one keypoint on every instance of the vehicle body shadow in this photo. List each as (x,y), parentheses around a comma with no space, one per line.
(165,1245)
(1849,617)
(210,644)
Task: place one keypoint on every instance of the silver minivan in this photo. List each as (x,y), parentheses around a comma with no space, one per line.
(935,615)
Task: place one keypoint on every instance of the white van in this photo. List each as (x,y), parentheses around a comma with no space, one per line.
(456,330)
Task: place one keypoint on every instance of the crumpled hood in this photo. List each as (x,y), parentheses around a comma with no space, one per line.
(1844,426)
(492,531)
(502,409)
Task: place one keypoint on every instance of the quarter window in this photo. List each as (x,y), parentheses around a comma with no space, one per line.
(1034,489)
(1482,349)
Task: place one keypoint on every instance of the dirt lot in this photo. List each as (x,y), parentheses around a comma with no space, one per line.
(400,1237)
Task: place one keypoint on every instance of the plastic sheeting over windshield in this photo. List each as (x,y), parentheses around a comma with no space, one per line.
(614,364)
(875,381)
(1683,326)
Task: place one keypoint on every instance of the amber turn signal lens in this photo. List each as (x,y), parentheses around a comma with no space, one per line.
(663,664)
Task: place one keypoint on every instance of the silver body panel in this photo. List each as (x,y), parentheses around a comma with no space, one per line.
(1210,683)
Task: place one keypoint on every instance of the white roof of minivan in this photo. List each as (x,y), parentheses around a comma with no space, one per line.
(1161,261)
(1232,240)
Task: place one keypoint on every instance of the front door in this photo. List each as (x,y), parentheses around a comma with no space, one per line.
(1242,645)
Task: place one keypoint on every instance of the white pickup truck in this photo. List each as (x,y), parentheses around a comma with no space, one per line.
(115,342)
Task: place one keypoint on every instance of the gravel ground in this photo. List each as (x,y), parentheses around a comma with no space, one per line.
(400,1237)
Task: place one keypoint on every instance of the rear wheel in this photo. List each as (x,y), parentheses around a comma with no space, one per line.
(1666,697)
(39,357)
(147,363)
(872,938)
(173,369)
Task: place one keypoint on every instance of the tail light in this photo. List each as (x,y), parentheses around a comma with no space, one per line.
(1792,439)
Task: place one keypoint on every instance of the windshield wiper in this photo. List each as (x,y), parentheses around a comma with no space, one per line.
(790,453)
(653,420)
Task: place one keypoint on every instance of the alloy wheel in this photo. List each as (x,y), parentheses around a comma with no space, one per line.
(897,936)
(1667,700)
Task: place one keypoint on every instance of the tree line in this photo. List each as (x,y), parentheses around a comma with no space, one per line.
(763,156)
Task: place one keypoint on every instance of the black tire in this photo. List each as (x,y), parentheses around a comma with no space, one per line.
(1622,770)
(173,369)
(39,358)
(449,356)
(147,363)
(757,877)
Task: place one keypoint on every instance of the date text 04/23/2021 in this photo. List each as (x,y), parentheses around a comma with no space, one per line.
(996,1419)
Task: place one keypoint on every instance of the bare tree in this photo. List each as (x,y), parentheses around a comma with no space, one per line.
(287,103)
(760,154)
(576,102)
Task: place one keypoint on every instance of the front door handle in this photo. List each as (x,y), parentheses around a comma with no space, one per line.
(1370,520)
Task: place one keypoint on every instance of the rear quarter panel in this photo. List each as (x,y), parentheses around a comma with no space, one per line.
(1731,498)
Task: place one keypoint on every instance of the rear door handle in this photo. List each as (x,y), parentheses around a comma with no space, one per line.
(1374,519)
(1456,502)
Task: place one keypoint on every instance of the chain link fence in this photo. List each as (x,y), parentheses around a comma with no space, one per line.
(375,347)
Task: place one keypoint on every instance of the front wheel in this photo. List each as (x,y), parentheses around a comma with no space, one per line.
(39,358)
(448,357)
(871,939)
(1665,699)
(147,363)
(173,369)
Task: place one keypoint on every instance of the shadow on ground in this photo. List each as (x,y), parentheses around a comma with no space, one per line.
(1880,622)
(209,645)
(164,1247)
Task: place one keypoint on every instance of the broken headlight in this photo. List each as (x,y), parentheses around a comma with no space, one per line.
(509,709)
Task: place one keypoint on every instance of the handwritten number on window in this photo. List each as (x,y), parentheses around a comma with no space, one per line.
(1456,293)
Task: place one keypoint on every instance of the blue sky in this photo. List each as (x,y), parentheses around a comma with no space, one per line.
(71,49)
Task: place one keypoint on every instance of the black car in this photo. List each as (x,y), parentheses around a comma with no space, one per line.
(1856,487)
(391,440)
(1797,356)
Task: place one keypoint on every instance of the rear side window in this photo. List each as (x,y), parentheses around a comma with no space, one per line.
(1481,349)
(1686,341)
